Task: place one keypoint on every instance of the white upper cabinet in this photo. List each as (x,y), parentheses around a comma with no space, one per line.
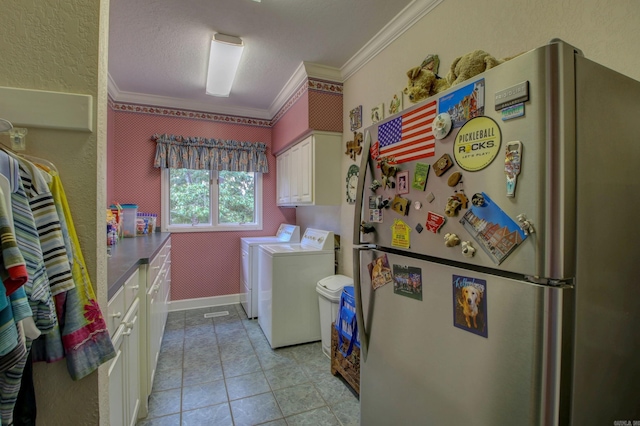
(309,171)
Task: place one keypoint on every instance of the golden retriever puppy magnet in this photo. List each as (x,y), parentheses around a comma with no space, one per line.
(471,298)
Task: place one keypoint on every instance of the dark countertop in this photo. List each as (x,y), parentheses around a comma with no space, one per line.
(128,254)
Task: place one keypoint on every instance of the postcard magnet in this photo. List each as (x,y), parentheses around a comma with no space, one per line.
(380,272)
(420,176)
(493,230)
(470,304)
(407,281)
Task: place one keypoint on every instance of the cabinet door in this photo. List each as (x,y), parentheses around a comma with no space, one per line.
(294,174)
(131,352)
(282,170)
(117,389)
(305,171)
(153,345)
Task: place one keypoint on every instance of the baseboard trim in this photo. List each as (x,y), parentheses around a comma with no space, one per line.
(203,302)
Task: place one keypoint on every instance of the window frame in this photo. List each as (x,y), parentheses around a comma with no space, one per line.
(214,195)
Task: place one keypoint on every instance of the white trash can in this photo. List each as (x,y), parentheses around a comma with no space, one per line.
(329,290)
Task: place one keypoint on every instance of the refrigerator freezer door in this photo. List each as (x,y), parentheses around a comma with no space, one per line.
(422,369)
(545,191)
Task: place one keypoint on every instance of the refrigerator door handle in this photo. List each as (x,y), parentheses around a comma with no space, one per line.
(357,289)
(357,216)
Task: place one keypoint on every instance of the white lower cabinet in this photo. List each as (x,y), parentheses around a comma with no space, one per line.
(158,297)
(124,377)
(137,315)
(117,388)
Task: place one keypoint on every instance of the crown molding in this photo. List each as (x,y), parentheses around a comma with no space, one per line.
(176,103)
(404,20)
(323,72)
(291,86)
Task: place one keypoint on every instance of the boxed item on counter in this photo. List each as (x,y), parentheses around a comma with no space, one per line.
(145,223)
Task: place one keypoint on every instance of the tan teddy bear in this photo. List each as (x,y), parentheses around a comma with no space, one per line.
(424,81)
(470,65)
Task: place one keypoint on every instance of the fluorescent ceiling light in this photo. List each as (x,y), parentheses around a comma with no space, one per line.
(224,58)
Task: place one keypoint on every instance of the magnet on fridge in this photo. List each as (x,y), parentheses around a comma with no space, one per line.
(525,224)
(460,195)
(451,240)
(417,205)
(512,164)
(366,228)
(443,164)
(467,249)
(419,228)
(430,197)
(375,185)
(454,179)
(478,200)
(434,222)
(452,207)
(441,125)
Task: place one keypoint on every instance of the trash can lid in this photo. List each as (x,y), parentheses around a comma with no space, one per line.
(331,287)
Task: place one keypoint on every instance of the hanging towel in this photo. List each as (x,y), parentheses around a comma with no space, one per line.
(37,286)
(85,336)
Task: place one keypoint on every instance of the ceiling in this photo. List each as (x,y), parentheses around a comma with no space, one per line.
(158,49)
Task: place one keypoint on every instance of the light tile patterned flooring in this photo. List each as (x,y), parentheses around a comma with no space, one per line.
(221,371)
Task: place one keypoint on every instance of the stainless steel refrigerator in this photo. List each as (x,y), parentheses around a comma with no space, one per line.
(533,317)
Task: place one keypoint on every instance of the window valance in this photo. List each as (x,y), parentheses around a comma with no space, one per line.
(180,152)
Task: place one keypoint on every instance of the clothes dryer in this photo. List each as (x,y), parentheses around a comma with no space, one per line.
(249,268)
(287,300)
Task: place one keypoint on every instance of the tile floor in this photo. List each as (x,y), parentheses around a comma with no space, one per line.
(221,371)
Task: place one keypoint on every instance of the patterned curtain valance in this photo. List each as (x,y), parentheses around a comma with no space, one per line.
(179,152)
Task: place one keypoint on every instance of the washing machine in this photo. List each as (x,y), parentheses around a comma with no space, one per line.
(287,300)
(249,268)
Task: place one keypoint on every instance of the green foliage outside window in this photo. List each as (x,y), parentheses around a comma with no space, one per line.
(190,193)
(236,197)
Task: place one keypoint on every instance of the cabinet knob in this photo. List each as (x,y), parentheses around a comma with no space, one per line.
(129,325)
(156,267)
(135,287)
(127,333)
(116,315)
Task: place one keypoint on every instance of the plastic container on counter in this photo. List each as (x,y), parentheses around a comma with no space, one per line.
(129,216)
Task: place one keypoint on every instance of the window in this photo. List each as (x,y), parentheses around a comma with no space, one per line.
(203,200)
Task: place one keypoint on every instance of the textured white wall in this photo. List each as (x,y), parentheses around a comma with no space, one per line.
(61,46)
(606,31)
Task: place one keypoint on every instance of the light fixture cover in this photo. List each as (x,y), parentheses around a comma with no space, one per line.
(224,58)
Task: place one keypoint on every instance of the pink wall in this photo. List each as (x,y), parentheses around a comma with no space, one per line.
(293,124)
(203,264)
